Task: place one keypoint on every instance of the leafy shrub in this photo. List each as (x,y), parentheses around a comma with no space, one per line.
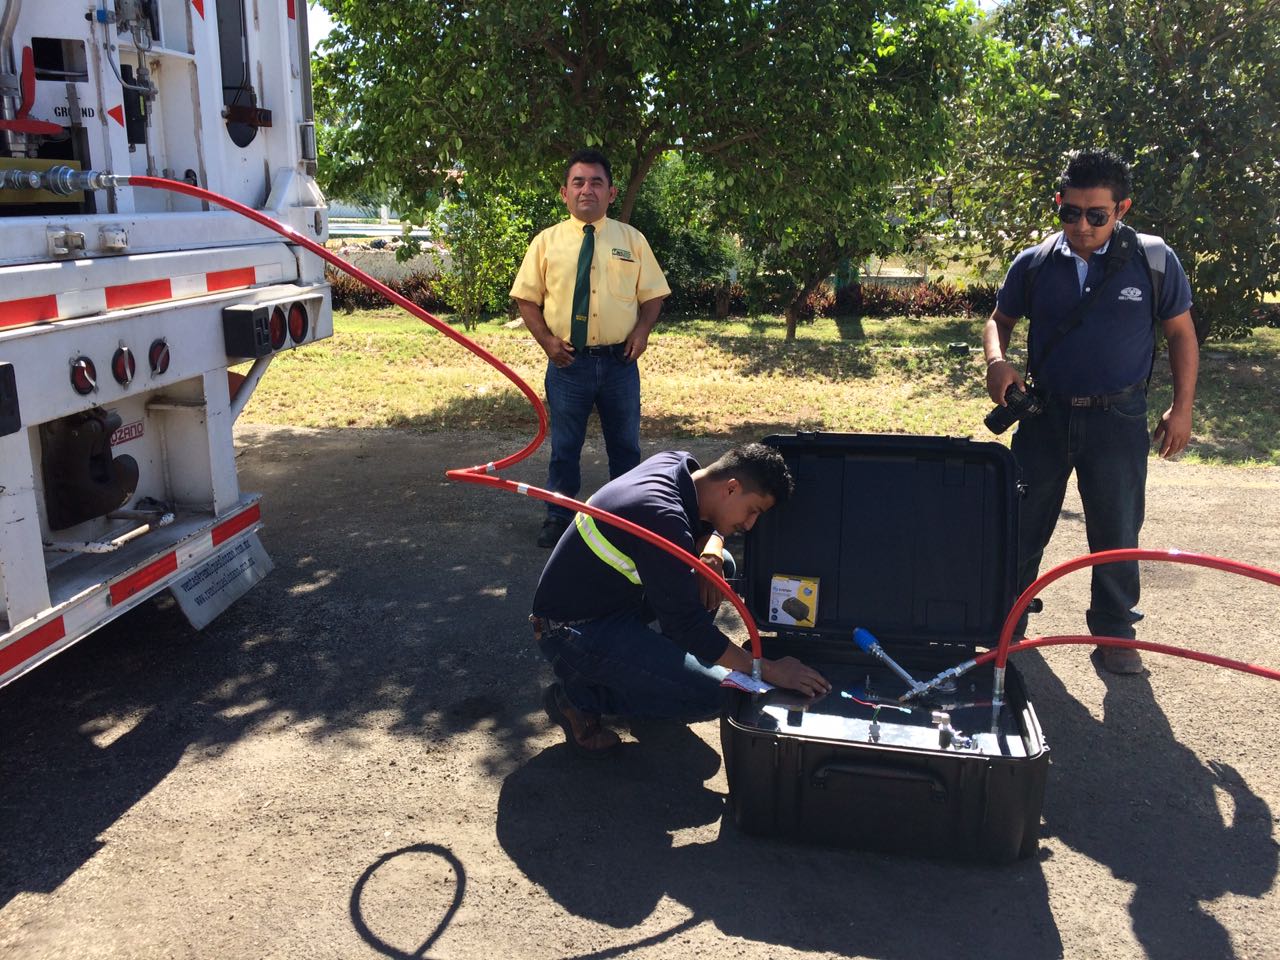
(1267,315)
(918,300)
(350,294)
(674,212)
(703,297)
(486,233)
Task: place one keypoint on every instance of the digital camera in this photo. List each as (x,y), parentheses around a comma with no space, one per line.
(1021,404)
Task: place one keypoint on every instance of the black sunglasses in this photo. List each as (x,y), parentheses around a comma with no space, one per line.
(1097,216)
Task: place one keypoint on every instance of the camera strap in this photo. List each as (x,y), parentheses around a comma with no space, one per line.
(1123,242)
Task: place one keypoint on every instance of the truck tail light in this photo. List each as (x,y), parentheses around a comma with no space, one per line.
(84,376)
(158,357)
(123,366)
(278,327)
(299,322)
(255,330)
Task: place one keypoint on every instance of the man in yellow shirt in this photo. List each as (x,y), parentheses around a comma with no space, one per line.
(589,291)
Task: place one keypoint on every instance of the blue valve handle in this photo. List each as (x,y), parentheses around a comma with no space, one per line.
(865,640)
(867,643)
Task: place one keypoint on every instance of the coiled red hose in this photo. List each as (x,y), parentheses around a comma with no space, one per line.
(1133,645)
(1001,653)
(481,473)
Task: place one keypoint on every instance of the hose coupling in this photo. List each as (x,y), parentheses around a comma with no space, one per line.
(948,676)
(67,180)
(16,179)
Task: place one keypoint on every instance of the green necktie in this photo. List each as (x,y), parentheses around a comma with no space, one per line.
(582,289)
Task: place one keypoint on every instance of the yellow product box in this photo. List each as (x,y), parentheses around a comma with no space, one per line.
(793,601)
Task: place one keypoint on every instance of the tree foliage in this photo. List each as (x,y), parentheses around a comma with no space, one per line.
(675,211)
(1188,92)
(801,113)
(481,235)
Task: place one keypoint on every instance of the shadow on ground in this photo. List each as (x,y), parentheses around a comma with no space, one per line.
(401,596)
(395,592)
(604,842)
(1125,793)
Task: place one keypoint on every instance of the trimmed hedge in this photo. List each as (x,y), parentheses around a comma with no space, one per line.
(350,294)
(701,299)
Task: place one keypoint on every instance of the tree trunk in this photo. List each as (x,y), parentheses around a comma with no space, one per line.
(724,300)
(793,308)
(642,168)
(824,261)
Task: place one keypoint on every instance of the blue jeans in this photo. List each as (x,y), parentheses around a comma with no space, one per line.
(1108,451)
(618,665)
(610,384)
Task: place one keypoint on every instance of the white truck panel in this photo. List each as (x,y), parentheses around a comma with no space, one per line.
(117,473)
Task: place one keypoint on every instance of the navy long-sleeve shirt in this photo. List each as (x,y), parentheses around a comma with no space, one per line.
(658,495)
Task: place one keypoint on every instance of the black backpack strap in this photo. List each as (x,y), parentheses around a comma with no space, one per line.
(1155,255)
(1043,252)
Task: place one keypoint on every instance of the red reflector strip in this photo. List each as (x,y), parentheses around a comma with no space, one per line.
(31,310)
(229,528)
(35,641)
(132,294)
(122,590)
(231,279)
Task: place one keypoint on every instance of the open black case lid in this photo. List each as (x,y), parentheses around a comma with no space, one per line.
(913,538)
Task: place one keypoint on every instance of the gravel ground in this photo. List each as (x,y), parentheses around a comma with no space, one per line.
(352,761)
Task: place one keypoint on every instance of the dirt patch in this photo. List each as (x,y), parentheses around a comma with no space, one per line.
(352,761)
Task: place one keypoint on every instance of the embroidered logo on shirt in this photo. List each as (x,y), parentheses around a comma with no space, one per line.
(623,254)
(1132,294)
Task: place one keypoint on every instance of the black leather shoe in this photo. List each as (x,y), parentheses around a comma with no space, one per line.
(552,527)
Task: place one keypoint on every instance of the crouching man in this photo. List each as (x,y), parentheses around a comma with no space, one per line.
(602,588)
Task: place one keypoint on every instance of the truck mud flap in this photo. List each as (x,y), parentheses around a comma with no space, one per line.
(221,580)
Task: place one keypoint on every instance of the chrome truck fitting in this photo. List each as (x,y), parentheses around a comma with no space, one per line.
(60,180)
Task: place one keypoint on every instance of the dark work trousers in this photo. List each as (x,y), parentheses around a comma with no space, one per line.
(619,664)
(599,378)
(1107,449)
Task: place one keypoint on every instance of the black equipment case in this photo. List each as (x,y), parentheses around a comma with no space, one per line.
(913,539)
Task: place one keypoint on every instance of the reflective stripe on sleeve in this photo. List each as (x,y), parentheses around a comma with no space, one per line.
(602,548)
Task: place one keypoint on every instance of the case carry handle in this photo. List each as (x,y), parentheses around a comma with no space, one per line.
(877,771)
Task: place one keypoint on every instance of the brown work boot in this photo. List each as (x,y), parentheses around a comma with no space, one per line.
(1120,660)
(582,731)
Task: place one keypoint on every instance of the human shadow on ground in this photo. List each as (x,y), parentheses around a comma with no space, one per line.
(1125,793)
(604,842)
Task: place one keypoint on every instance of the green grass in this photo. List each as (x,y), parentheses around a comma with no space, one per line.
(738,379)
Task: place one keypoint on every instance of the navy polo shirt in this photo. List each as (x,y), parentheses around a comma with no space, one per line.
(658,495)
(1111,349)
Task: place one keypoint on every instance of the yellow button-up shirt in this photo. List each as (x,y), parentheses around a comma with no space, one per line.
(624,274)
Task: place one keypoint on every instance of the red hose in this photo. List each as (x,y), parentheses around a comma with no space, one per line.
(1133,645)
(1116,556)
(481,473)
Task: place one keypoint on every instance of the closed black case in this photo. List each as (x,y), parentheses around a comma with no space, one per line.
(915,540)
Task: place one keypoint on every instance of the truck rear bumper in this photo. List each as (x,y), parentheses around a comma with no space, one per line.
(86,595)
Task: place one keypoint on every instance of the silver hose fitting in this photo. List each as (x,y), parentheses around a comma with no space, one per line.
(67,180)
(14,179)
(946,676)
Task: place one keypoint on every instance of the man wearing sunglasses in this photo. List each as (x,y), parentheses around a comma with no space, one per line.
(1090,298)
